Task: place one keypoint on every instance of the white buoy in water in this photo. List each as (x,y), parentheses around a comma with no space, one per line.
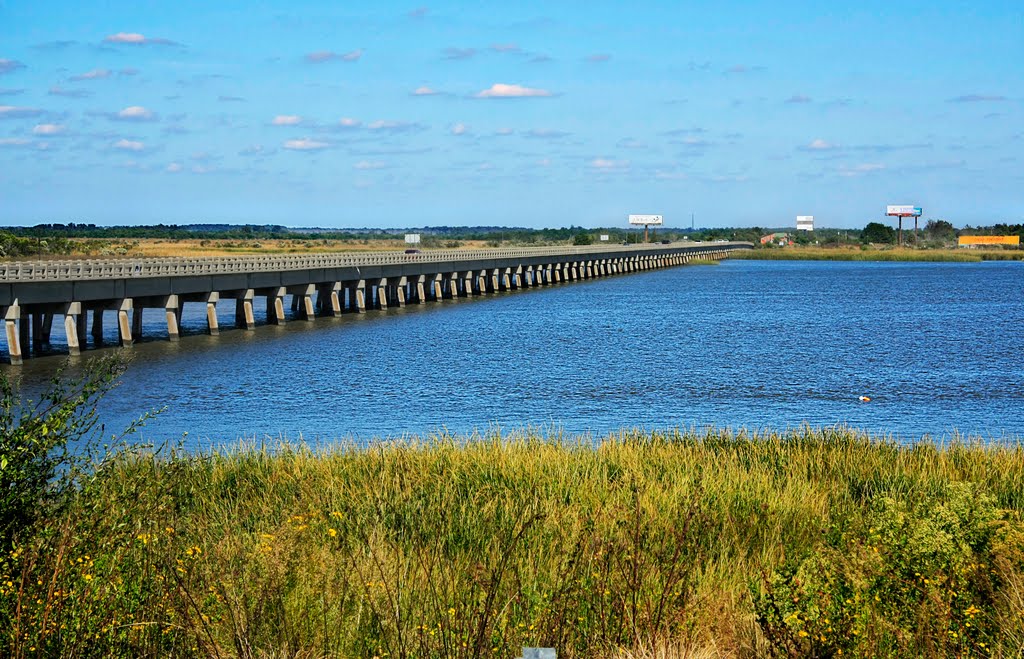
(865,399)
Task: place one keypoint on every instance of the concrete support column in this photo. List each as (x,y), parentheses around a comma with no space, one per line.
(590,269)
(212,324)
(97,326)
(400,293)
(12,318)
(481,282)
(172,307)
(558,273)
(275,306)
(421,289)
(244,316)
(506,279)
(438,286)
(381,290)
(360,296)
(517,278)
(467,283)
(72,313)
(123,326)
(495,282)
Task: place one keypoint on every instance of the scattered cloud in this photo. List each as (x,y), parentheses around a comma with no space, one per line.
(630,143)
(230,99)
(14,142)
(136,39)
(819,144)
(506,48)
(254,151)
(887,148)
(95,74)
(419,12)
(978,98)
(305,144)
(286,120)
(598,58)
(546,134)
(458,53)
(15,112)
(349,123)
(11,92)
(693,142)
(743,68)
(424,91)
(676,132)
(368,165)
(322,56)
(69,93)
(173,168)
(459,129)
(55,45)
(48,129)
(394,126)
(134,113)
(501,90)
(128,71)
(861,169)
(129,145)
(608,165)
(540,58)
(505,131)
(10,65)
(670,175)
(798,98)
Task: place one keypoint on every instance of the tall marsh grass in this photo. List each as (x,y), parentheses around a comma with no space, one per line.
(712,543)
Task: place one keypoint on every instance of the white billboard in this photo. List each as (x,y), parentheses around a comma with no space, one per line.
(604,237)
(908,210)
(412,238)
(646,219)
(805,223)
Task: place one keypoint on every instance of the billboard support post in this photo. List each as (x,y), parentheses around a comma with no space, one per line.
(901,212)
(646,221)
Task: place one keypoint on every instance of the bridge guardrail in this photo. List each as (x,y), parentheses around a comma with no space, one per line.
(85,269)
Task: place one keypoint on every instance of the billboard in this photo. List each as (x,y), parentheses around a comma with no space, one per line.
(412,238)
(646,219)
(805,223)
(989,240)
(904,210)
(604,237)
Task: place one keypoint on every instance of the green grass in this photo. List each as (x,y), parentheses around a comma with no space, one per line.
(894,254)
(643,544)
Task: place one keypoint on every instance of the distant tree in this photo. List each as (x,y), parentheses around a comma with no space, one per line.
(940,230)
(582,238)
(876,232)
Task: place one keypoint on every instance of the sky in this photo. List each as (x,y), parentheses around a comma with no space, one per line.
(535,114)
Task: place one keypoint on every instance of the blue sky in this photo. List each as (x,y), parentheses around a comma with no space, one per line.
(522,114)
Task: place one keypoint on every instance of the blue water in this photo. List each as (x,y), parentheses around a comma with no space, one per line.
(937,348)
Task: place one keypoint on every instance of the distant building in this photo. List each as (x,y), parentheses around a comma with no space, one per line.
(779,238)
(805,223)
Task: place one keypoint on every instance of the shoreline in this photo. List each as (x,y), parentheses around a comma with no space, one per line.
(895,254)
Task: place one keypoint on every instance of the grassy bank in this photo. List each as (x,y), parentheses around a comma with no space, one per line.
(811,543)
(876,254)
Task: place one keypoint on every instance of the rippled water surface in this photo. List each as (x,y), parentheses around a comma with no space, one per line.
(937,347)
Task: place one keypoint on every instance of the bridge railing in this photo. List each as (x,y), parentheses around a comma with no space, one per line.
(183,267)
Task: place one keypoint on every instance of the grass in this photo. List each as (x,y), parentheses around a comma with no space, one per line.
(877,254)
(811,542)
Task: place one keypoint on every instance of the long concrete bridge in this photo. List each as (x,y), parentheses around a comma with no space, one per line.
(33,294)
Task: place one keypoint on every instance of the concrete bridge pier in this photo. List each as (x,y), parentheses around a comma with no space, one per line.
(302,301)
(212,324)
(400,291)
(438,286)
(506,280)
(275,306)
(244,316)
(12,320)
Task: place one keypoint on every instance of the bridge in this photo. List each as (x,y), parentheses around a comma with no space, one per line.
(33,294)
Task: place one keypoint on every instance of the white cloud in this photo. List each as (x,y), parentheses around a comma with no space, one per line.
(505,131)
(820,145)
(287,120)
(321,56)
(9,65)
(138,39)
(95,74)
(305,144)
(798,98)
(129,145)
(15,112)
(173,168)
(349,122)
(367,165)
(861,169)
(605,164)
(501,90)
(459,129)
(48,129)
(598,58)
(506,48)
(425,91)
(393,126)
(15,141)
(136,113)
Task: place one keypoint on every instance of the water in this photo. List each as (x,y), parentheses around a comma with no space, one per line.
(937,348)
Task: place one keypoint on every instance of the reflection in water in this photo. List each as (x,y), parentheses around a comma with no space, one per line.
(743,344)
